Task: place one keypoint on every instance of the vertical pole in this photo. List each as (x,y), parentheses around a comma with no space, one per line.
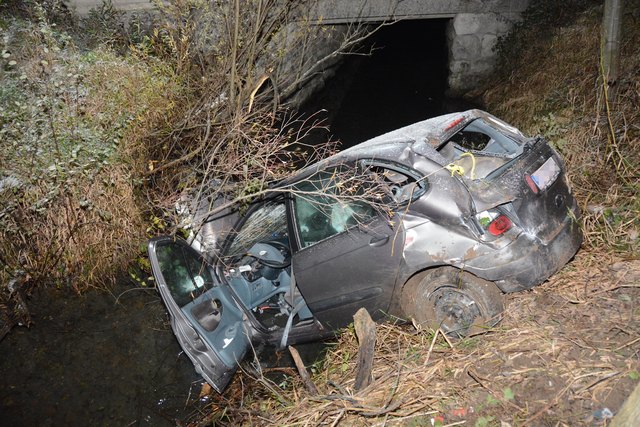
(611,27)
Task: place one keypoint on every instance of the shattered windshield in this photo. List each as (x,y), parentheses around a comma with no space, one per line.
(269,222)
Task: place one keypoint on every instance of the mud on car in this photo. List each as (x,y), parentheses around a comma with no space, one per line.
(474,209)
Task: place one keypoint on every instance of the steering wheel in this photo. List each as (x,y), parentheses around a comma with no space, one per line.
(284,250)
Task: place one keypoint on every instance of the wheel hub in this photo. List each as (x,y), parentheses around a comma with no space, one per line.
(455,310)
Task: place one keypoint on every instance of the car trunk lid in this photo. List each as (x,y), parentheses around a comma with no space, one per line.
(535,185)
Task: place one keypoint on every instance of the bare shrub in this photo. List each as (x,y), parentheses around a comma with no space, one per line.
(242,63)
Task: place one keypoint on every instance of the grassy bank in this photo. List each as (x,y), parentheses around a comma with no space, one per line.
(73,123)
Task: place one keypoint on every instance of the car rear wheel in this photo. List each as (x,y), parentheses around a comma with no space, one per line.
(457,302)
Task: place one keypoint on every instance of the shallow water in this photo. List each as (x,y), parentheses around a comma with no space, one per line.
(92,360)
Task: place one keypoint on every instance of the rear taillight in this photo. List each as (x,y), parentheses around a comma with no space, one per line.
(494,222)
(499,225)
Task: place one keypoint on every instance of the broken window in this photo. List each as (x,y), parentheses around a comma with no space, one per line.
(481,148)
(268,222)
(328,204)
(397,184)
(187,277)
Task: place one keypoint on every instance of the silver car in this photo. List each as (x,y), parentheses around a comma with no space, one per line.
(472,209)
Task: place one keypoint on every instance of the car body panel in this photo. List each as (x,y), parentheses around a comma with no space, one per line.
(367,257)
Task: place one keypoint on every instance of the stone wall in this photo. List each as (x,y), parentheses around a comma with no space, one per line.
(472,38)
(473,32)
(82,7)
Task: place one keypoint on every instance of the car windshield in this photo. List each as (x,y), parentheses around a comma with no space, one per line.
(268,222)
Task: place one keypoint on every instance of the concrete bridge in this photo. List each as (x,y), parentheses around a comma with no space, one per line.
(473,29)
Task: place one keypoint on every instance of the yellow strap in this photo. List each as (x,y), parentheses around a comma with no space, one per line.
(453,168)
(473,164)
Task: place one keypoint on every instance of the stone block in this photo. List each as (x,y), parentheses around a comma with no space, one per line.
(483,67)
(467,23)
(502,25)
(466,47)
(459,67)
(482,23)
(488,44)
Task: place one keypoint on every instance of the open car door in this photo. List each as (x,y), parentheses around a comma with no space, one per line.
(204,316)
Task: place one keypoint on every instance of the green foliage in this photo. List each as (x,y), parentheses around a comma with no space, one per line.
(492,401)
(485,421)
(105,25)
(554,129)
(508,394)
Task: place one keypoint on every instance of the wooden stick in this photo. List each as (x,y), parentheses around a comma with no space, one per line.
(306,379)
(629,414)
(366,333)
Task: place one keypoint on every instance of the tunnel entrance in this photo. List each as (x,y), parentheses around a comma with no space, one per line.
(403,80)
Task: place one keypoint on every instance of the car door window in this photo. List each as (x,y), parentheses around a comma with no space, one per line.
(186,277)
(323,209)
(396,185)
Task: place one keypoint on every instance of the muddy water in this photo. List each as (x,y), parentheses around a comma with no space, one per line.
(96,360)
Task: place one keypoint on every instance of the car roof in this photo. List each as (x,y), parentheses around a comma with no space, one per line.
(423,137)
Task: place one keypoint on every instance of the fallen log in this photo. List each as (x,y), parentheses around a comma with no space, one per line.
(629,414)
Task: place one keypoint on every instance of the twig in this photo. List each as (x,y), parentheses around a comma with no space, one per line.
(302,370)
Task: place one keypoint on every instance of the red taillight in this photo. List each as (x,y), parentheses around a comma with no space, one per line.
(499,225)
(532,185)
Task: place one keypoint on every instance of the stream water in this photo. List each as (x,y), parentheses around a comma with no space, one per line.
(96,359)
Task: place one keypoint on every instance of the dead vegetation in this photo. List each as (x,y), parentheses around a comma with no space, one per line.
(70,215)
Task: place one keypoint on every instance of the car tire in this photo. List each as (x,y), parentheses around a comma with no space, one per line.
(457,302)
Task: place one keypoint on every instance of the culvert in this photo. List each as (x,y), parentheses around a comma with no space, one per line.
(401,79)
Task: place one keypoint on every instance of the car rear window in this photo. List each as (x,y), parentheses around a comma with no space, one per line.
(481,137)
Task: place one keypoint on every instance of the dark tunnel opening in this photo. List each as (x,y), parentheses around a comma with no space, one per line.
(403,80)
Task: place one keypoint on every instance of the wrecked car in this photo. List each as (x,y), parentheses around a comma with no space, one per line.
(453,212)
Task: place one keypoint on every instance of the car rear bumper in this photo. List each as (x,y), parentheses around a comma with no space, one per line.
(528,261)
